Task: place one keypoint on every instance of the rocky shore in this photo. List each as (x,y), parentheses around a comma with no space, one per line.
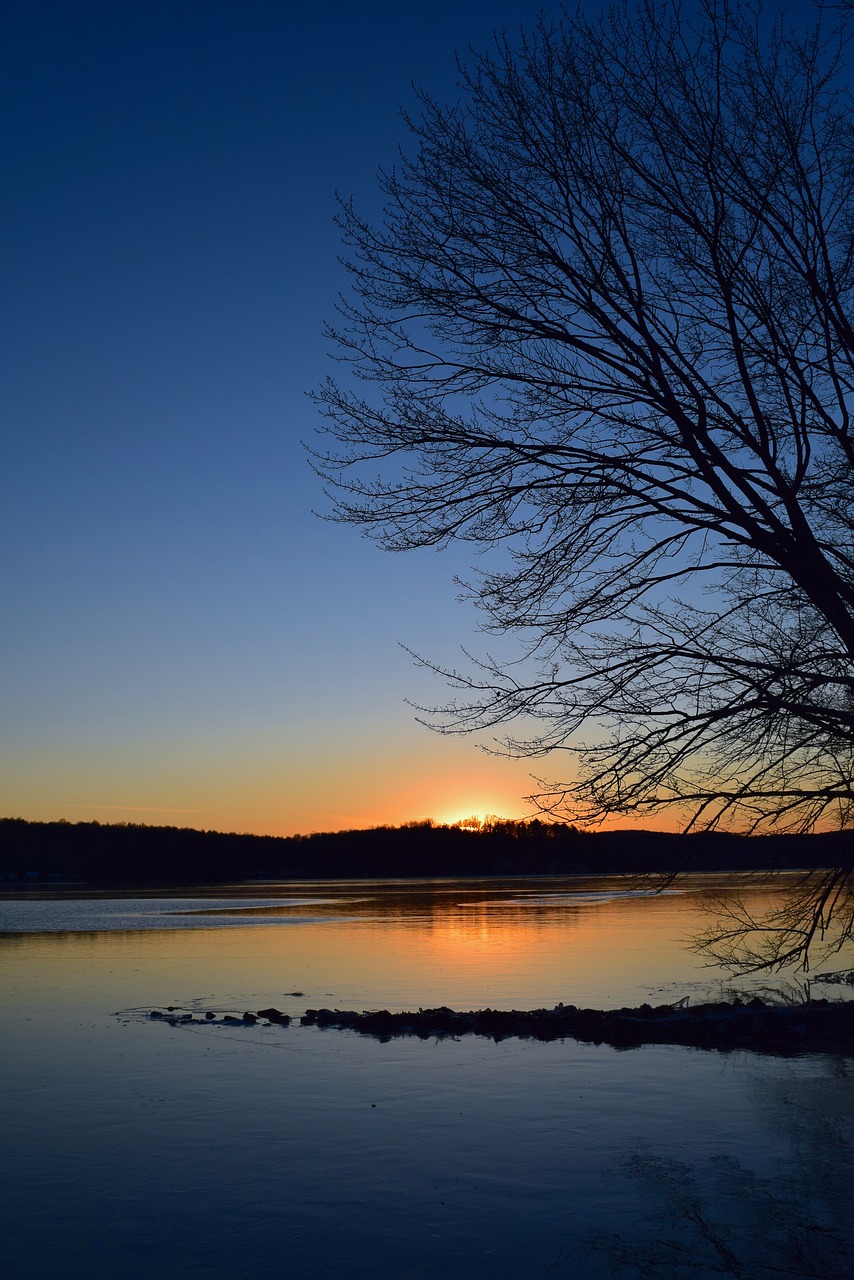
(817,1026)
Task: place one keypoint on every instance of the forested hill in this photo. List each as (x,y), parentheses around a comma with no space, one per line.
(33,852)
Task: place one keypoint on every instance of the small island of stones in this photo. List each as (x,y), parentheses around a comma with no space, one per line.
(814,1026)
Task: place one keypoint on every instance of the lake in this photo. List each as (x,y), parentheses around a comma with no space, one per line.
(134,1148)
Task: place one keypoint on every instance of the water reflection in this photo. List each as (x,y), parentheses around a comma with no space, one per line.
(467,944)
(723,1217)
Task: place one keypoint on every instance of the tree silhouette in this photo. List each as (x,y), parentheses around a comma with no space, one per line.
(605,326)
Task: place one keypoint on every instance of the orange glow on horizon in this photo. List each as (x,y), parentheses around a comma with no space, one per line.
(266,786)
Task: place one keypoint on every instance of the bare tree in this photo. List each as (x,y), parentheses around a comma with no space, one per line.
(606,330)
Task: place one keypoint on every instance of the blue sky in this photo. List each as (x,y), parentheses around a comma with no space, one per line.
(184,641)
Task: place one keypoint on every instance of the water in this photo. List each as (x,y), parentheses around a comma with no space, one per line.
(136,1149)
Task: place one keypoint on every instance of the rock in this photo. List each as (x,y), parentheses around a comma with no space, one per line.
(814,1027)
(275,1015)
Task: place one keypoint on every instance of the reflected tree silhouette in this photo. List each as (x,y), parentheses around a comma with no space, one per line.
(813,921)
(723,1219)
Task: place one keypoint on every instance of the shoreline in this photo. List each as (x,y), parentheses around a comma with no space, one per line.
(815,1026)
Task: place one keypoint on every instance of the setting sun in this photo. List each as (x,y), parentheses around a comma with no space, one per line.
(471,818)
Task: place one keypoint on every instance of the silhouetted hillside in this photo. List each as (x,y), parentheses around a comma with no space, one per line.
(139,854)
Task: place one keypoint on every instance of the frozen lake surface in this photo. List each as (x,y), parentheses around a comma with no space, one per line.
(133,1148)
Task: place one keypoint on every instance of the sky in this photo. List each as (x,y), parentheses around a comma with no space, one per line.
(184,640)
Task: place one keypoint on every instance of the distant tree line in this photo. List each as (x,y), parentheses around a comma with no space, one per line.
(133,853)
